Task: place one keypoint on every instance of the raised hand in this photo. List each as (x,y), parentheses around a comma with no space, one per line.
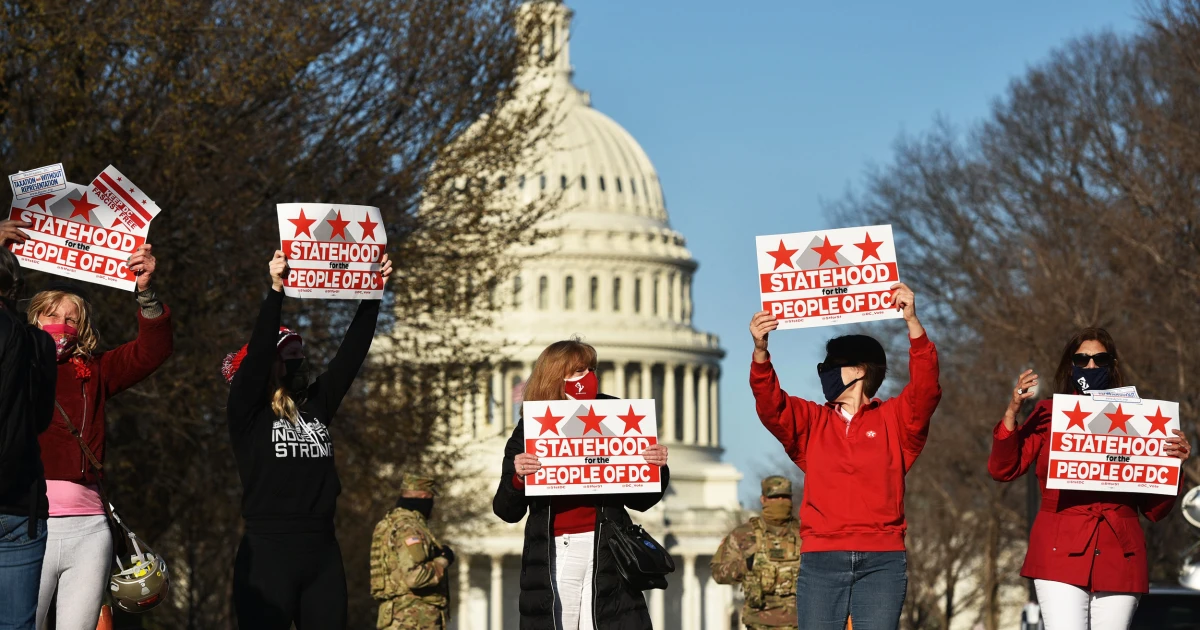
(905,302)
(278,268)
(385,267)
(656,454)
(526,464)
(1026,387)
(142,263)
(761,325)
(1178,446)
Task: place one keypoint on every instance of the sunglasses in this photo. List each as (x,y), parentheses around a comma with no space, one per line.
(1102,359)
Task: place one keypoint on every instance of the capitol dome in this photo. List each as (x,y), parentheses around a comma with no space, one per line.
(616,274)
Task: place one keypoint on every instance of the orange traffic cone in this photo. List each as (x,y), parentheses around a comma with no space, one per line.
(105,622)
(849,623)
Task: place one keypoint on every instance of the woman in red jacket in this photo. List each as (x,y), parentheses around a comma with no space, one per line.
(855,451)
(1087,553)
(79,550)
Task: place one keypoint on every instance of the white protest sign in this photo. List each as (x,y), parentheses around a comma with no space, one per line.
(828,277)
(1112,447)
(333,250)
(39,181)
(590,446)
(86,232)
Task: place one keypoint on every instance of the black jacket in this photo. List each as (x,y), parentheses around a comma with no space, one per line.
(27,378)
(616,606)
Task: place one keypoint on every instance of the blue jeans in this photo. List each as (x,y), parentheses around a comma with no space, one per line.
(20,571)
(868,586)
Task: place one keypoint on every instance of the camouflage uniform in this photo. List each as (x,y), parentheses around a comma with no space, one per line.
(773,555)
(412,587)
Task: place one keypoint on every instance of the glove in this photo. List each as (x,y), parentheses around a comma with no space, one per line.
(447,553)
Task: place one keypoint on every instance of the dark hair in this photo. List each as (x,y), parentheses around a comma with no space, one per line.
(859,351)
(10,275)
(1063,384)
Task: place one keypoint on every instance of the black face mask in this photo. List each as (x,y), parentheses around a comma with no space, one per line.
(423,506)
(295,375)
(832,385)
(1091,379)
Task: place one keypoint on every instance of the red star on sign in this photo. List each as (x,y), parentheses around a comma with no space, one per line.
(1118,419)
(827,252)
(39,200)
(1158,422)
(368,227)
(591,421)
(303,225)
(783,255)
(632,421)
(549,422)
(339,226)
(82,208)
(869,248)
(1077,417)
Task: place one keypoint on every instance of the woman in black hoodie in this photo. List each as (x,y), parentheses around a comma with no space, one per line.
(589,594)
(289,566)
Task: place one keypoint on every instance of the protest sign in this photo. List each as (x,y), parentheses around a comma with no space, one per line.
(39,181)
(590,446)
(828,277)
(1111,446)
(333,250)
(85,232)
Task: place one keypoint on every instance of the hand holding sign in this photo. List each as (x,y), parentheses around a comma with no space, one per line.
(526,464)
(761,325)
(278,267)
(142,264)
(1178,446)
(10,232)
(656,454)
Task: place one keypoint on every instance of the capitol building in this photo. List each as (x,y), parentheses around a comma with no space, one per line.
(617,275)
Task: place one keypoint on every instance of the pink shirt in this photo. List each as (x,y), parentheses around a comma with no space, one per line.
(68,498)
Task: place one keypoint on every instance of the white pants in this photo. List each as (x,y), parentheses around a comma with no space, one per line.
(79,558)
(1067,607)
(572,570)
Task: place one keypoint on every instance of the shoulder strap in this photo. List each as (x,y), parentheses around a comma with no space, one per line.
(75,432)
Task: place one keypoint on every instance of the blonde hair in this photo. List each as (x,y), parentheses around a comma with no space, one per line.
(559,360)
(46,302)
(282,402)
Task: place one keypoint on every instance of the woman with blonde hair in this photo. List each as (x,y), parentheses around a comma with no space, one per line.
(289,566)
(569,578)
(79,548)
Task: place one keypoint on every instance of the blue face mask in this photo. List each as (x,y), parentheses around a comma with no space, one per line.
(832,385)
(1091,379)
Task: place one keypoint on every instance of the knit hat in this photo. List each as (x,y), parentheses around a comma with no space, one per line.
(233,360)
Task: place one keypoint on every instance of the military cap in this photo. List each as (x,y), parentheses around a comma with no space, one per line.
(776,486)
(417,483)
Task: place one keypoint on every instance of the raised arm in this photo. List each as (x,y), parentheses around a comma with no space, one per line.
(786,417)
(332,385)
(510,502)
(130,363)
(250,388)
(1015,449)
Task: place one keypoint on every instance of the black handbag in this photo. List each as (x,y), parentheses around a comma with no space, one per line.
(641,561)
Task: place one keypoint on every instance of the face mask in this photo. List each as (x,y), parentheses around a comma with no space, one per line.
(423,506)
(583,388)
(65,338)
(832,385)
(295,375)
(777,511)
(1089,379)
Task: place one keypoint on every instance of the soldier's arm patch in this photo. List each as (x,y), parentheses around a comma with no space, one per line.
(416,548)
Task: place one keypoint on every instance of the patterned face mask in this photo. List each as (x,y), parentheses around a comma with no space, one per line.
(65,338)
(583,388)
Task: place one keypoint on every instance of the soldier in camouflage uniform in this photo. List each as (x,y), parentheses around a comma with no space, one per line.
(763,555)
(408,566)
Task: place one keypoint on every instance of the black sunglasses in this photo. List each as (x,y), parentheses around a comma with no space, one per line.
(1102,359)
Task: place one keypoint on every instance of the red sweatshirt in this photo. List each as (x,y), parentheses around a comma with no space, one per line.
(854,478)
(112,372)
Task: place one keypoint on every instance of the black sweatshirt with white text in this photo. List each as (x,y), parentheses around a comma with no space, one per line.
(289,483)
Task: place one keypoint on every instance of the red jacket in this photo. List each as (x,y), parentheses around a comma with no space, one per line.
(1090,539)
(112,372)
(854,477)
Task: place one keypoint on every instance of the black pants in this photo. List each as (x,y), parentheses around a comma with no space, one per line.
(283,578)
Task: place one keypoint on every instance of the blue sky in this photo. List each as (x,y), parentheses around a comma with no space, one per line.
(756,113)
